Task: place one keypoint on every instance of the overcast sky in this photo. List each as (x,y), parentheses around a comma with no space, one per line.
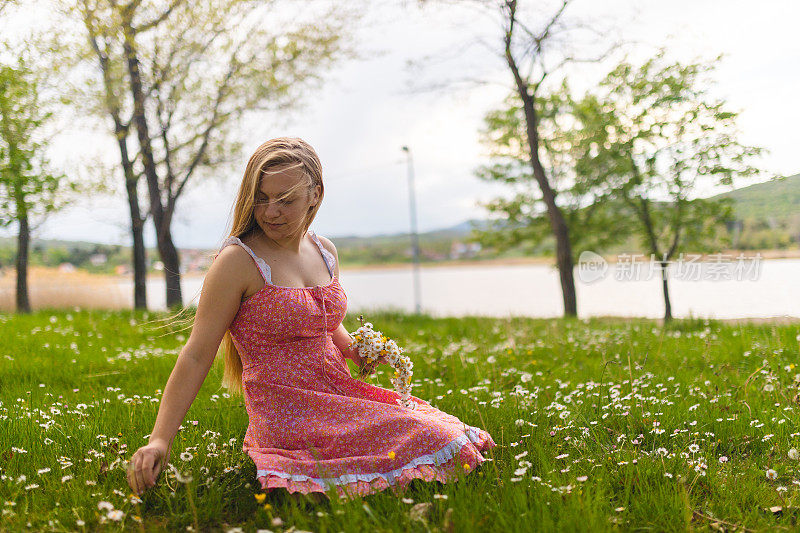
(364,114)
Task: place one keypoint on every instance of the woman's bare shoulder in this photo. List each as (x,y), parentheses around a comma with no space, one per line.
(231,256)
(328,244)
(231,263)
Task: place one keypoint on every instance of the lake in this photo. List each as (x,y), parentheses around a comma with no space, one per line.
(534,290)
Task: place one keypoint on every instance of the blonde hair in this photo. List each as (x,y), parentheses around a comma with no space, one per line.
(275,155)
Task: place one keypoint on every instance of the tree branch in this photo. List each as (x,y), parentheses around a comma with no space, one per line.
(159,19)
(232,69)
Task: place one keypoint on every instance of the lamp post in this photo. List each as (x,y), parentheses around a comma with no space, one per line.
(414,236)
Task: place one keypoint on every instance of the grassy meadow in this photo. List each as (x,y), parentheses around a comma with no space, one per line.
(600,425)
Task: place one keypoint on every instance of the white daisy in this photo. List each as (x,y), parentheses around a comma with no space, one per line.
(108,506)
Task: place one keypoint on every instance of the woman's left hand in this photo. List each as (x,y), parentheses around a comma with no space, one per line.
(369,368)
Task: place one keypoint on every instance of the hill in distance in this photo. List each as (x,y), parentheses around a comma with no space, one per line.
(777,198)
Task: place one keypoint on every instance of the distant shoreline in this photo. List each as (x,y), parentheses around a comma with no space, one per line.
(8,273)
(549,260)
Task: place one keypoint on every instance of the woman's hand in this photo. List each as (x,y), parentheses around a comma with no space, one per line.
(145,466)
(369,368)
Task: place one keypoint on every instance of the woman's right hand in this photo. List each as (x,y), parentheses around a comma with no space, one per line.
(145,466)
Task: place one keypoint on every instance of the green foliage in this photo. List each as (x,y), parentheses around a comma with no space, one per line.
(655,135)
(204,68)
(28,188)
(593,220)
(624,159)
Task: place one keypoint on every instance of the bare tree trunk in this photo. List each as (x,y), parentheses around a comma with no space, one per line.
(139,259)
(650,231)
(139,253)
(23,243)
(131,178)
(563,245)
(665,286)
(172,268)
(166,248)
(557,222)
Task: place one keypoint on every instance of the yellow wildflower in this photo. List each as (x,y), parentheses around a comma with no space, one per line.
(391,455)
(260,497)
(466,466)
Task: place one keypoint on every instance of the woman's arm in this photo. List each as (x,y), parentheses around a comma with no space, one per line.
(219,301)
(342,340)
(223,287)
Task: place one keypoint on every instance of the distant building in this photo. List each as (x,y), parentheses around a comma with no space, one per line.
(195,260)
(460,249)
(98,259)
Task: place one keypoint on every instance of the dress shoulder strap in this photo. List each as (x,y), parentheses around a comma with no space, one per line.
(329,258)
(262,265)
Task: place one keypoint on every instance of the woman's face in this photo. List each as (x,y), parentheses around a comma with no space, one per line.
(288,214)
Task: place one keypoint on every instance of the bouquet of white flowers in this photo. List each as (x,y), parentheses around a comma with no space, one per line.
(372,346)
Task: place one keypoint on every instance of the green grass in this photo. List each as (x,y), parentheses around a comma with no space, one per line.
(600,425)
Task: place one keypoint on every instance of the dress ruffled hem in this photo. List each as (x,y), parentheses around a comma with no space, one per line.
(440,466)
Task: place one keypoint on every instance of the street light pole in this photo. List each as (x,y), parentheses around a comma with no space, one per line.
(414,235)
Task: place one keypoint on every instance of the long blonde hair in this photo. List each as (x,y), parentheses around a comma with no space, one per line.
(274,154)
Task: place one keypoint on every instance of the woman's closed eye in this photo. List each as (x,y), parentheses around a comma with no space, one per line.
(262,202)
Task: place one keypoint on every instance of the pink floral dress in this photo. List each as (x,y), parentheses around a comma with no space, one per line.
(312,425)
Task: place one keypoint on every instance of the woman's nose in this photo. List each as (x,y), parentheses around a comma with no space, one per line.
(272,209)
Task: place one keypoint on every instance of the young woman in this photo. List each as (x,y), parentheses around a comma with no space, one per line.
(272,298)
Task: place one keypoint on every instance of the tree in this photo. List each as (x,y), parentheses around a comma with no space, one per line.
(29,189)
(657,134)
(109,102)
(189,73)
(592,218)
(532,56)
(6,3)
